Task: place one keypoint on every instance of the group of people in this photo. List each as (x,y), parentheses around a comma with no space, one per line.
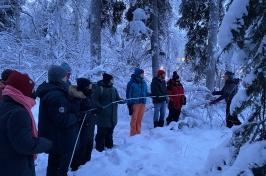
(162,93)
(66,109)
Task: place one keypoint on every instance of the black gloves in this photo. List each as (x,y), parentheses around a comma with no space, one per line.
(122,101)
(213,102)
(214,92)
(130,109)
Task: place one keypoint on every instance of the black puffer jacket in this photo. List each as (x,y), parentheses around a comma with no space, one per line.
(158,88)
(58,119)
(17,145)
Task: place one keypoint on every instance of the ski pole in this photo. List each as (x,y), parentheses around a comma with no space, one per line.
(76,142)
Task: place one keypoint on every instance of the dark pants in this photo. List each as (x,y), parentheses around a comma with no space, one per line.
(104,138)
(83,152)
(231,119)
(173,115)
(58,164)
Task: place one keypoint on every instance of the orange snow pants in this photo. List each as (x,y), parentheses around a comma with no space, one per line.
(136,118)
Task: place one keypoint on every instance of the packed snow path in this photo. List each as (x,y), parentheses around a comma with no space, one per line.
(167,151)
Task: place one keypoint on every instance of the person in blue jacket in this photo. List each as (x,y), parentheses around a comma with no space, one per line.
(137,87)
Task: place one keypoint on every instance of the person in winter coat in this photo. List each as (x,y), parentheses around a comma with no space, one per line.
(228,92)
(158,88)
(4,76)
(68,69)
(174,87)
(83,152)
(105,93)
(19,141)
(58,120)
(129,106)
(137,87)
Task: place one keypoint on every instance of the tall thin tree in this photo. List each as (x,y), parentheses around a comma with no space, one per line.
(155,37)
(95,31)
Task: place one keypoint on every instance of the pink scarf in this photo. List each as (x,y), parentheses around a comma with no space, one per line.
(25,101)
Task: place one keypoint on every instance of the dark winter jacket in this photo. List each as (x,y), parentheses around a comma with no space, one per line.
(228,91)
(137,87)
(58,119)
(104,95)
(2,86)
(17,145)
(158,88)
(86,139)
(175,88)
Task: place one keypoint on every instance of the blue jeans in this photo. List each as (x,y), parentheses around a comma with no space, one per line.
(159,111)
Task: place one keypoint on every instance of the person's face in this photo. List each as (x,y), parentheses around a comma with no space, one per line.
(163,76)
(88,90)
(142,75)
(112,81)
(65,79)
(89,87)
(68,75)
(226,77)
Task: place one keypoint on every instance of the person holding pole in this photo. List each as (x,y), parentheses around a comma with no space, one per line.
(86,137)
(137,88)
(58,120)
(158,89)
(104,96)
(228,92)
(177,98)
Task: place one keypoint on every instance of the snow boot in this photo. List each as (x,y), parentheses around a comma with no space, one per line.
(156,124)
(161,123)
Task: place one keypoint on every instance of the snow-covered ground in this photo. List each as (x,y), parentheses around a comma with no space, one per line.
(168,151)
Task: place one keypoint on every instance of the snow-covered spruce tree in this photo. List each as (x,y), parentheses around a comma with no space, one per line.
(195,19)
(201,19)
(156,20)
(244,31)
(250,36)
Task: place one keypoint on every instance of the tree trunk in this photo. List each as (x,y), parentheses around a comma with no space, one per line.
(212,44)
(95,38)
(16,10)
(76,19)
(155,38)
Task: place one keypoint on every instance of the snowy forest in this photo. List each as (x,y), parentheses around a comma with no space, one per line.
(201,40)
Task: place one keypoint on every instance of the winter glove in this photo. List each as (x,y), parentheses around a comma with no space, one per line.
(213,102)
(122,101)
(94,111)
(130,109)
(167,99)
(214,92)
(184,100)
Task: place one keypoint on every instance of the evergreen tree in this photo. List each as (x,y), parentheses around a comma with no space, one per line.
(249,37)
(195,19)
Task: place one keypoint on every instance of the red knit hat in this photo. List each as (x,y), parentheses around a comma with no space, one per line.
(160,72)
(22,82)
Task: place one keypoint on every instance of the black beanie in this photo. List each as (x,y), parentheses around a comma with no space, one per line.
(175,75)
(107,77)
(56,73)
(83,83)
(229,74)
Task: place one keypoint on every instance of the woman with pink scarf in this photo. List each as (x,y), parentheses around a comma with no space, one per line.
(19,141)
